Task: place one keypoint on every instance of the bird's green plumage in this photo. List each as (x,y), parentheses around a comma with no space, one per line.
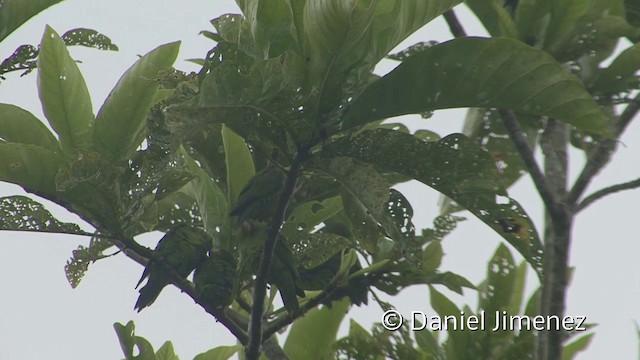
(216,278)
(257,199)
(181,248)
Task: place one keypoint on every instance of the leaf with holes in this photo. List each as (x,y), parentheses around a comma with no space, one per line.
(455,167)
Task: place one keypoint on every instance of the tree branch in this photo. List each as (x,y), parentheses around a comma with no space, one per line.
(252,349)
(539,180)
(601,155)
(454,25)
(606,191)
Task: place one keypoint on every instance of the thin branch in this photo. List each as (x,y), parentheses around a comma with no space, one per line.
(260,290)
(601,155)
(454,24)
(539,180)
(289,318)
(607,191)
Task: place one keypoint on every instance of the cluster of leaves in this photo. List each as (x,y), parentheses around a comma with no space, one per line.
(502,291)
(13,15)
(132,343)
(578,34)
(292,78)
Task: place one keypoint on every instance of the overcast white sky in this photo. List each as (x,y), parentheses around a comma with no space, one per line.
(41,316)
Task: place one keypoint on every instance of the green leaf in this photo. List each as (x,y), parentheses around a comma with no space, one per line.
(126,337)
(321,325)
(219,353)
(20,213)
(20,126)
(270,24)
(166,352)
(314,249)
(32,167)
(432,257)
(570,350)
(14,13)
(620,74)
(455,167)
(306,216)
(459,343)
(500,73)
(240,167)
(494,17)
(120,123)
(344,40)
(212,202)
(64,95)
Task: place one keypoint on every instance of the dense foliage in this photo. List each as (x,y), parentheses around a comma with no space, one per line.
(279,150)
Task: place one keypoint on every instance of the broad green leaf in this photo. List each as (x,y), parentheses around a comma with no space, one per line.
(345,39)
(570,350)
(219,353)
(240,167)
(20,213)
(14,13)
(620,75)
(564,16)
(494,17)
(20,126)
(632,8)
(532,20)
(455,167)
(25,56)
(32,167)
(321,325)
(211,201)
(270,24)
(64,95)
(121,120)
(477,72)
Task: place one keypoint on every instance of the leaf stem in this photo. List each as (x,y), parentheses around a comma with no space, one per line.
(454,24)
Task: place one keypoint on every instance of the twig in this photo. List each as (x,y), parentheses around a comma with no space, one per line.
(252,350)
(606,191)
(454,24)
(539,180)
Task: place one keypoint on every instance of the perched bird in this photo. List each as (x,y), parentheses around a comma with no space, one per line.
(257,199)
(253,210)
(216,278)
(182,248)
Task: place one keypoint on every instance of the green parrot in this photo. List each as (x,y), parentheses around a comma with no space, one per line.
(257,199)
(216,278)
(183,248)
(253,210)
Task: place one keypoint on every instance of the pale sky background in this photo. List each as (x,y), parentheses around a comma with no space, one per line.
(42,317)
